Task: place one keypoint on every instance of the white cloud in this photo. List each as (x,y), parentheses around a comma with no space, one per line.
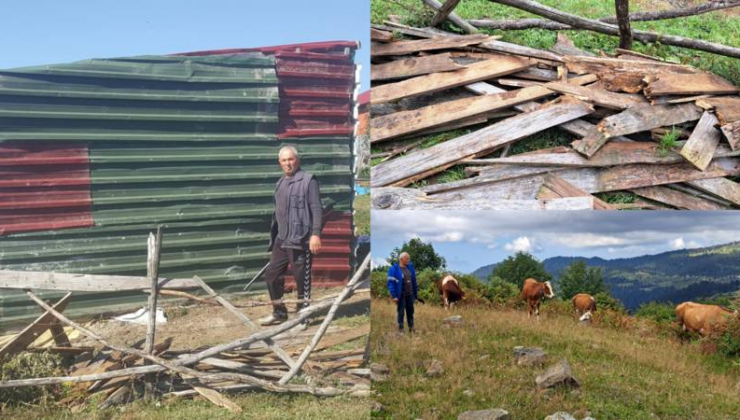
(378,262)
(588,240)
(678,243)
(520,244)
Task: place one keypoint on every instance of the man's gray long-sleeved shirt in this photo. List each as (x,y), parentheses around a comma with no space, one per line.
(282,208)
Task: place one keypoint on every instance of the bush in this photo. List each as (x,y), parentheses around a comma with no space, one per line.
(27,366)
(427,282)
(606,301)
(728,343)
(661,313)
(503,293)
(379,284)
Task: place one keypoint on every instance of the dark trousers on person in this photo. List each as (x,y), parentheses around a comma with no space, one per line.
(300,259)
(406,305)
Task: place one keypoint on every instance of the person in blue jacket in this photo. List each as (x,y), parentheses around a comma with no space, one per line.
(403,289)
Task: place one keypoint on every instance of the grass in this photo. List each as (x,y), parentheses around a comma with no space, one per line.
(362,214)
(668,141)
(718,27)
(624,374)
(254,406)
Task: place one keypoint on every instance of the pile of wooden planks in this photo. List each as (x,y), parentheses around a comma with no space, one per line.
(666,134)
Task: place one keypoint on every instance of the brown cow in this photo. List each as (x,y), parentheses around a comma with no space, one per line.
(584,304)
(704,319)
(450,290)
(533,292)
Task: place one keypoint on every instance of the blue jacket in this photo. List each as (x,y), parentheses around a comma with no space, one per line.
(395,281)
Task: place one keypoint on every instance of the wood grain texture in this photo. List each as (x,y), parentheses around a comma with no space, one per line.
(732,133)
(413,66)
(598,96)
(436,82)
(412,47)
(452,16)
(43,280)
(555,187)
(677,199)
(727,109)
(443,12)
(509,48)
(34,330)
(380,35)
(702,144)
(721,187)
(689,84)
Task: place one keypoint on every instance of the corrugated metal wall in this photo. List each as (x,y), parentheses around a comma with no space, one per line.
(188,142)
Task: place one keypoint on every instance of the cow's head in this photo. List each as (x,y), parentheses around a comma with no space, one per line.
(548,290)
(586,317)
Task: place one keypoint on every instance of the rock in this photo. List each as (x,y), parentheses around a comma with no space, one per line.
(484,357)
(495,414)
(435,369)
(379,368)
(559,374)
(529,356)
(468,393)
(453,320)
(377,407)
(560,415)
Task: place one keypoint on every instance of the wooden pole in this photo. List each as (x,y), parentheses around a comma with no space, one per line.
(154,251)
(623,22)
(454,18)
(443,12)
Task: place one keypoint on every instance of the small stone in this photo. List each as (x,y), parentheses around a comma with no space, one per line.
(560,415)
(468,393)
(559,374)
(377,407)
(495,414)
(453,320)
(435,369)
(484,357)
(529,356)
(379,368)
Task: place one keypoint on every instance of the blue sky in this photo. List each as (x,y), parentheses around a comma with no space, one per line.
(469,240)
(51,31)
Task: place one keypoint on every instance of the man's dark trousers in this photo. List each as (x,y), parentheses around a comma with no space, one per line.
(406,304)
(275,273)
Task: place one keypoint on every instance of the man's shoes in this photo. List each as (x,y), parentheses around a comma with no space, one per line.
(273,319)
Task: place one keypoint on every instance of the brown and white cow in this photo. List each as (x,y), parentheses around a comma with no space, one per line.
(584,306)
(704,319)
(533,292)
(450,290)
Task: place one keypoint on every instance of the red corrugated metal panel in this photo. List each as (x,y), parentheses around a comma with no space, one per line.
(315,47)
(330,267)
(53,196)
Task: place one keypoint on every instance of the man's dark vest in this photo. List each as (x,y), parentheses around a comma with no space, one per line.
(299,213)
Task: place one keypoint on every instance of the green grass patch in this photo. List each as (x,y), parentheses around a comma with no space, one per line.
(362,214)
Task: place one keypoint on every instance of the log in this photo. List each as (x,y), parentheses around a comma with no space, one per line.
(154,247)
(441,81)
(451,16)
(703,142)
(29,334)
(42,280)
(623,23)
(380,35)
(605,28)
(732,133)
(443,12)
(433,159)
(408,122)
(634,120)
(677,199)
(414,66)
(688,84)
(413,47)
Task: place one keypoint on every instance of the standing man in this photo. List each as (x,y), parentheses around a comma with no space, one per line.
(403,289)
(295,234)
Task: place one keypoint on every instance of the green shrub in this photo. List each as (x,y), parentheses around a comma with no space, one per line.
(379,284)
(503,293)
(606,301)
(27,366)
(661,313)
(728,343)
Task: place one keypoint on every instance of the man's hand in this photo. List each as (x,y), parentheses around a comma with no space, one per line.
(314,244)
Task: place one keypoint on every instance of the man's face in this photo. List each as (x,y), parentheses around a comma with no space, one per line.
(405,260)
(288,162)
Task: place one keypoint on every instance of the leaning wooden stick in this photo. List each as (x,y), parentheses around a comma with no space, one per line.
(356,279)
(154,251)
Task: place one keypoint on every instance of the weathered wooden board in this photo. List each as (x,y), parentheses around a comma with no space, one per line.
(555,187)
(380,35)
(34,330)
(430,160)
(732,133)
(413,66)
(727,109)
(488,176)
(600,97)
(667,100)
(390,198)
(677,199)
(411,47)
(43,280)
(634,120)
(721,187)
(407,122)
(688,84)
(701,145)
(441,81)
(508,48)
(535,73)
(623,75)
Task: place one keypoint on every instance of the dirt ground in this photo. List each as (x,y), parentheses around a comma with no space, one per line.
(193,324)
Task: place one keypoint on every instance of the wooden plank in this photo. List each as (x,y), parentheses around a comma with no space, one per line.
(555,187)
(43,280)
(721,187)
(211,394)
(412,47)
(727,109)
(441,81)
(688,84)
(407,122)
(34,330)
(380,35)
(391,198)
(535,73)
(666,100)
(509,48)
(732,133)
(634,120)
(430,160)
(413,66)
(635,176)
(443,12)
(701,145)
(600,97)
(60,337)
(454,18)
(677,199)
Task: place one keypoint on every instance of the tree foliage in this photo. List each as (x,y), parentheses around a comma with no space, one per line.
(580,278)
(422,255)
(519,267)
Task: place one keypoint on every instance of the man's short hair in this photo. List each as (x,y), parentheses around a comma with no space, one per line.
(404,254)
(291,149)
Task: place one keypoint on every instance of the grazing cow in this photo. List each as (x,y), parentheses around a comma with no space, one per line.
(704,319)
(450,290)
(533,292)
(583,305)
